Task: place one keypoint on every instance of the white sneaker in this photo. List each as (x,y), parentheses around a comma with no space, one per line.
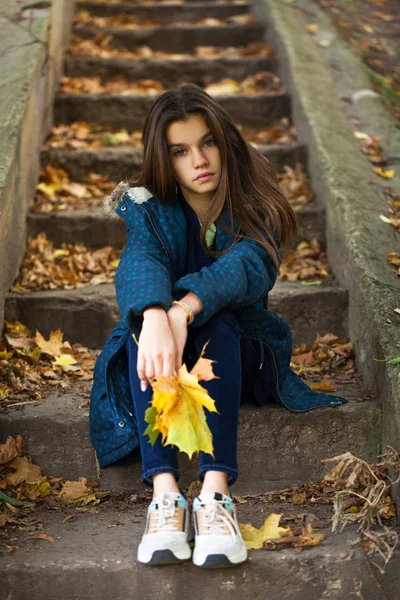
(165,539)
(218,541)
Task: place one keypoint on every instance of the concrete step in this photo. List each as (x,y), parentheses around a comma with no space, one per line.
(88,314)
(182,38)
(276,446)
(121,162)
(168,72)
(95,230)
(94,556)
(130,111)
(186,11)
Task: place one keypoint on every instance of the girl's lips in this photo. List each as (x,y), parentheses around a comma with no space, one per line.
(205,177)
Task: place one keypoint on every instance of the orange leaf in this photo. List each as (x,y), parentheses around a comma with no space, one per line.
(324,386)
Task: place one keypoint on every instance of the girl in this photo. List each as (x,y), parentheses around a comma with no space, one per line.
(204,219)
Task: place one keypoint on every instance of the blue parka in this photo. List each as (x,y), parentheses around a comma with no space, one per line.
(151,272)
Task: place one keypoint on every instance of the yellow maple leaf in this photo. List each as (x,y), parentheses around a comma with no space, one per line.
(177,410)
(385,174)
(257,538)
(53,345)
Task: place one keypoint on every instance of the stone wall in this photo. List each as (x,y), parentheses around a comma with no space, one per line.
(32,42)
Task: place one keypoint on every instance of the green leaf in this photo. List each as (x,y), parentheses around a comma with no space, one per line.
(394,361)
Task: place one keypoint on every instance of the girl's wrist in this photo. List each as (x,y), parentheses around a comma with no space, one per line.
(183,312)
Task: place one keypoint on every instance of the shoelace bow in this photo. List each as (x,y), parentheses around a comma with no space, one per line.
(217,518)
(164,515)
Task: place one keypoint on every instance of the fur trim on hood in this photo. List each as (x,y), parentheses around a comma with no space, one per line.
(137,194)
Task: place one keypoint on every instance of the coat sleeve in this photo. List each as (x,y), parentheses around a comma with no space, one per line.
(143,277)
(236,279)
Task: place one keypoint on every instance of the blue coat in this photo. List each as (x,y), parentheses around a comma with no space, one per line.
(151,271)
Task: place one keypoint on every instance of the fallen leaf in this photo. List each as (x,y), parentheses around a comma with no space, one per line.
(257,538)
(324,386)
(385,174)
(11,449)
(44,536)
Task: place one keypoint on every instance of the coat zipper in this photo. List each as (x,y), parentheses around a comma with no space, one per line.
(155,230)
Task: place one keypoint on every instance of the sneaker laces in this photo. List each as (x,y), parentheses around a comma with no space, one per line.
(164,515)
(217,518)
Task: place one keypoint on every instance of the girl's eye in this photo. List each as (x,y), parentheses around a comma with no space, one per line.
(181,150)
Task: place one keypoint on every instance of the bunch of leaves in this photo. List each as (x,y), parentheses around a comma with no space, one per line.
(280,132)
(372,148)
(272,536)
(56,192)
(30,364)
(393,209)
(101,45)
(81,135)
(23,485)
(305,263)
(122,21)
(71,266)
(260,83)
(117,85)
(296,186)
(362,496)
(328,357)
(394,259)
(131,21)
(177,409)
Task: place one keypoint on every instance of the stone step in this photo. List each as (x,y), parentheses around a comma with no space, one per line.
(87,315)
(182,38)
(94,556)
(168,72)
(276,446)
(121,162)
(186,11)
(130,111)
(95,230)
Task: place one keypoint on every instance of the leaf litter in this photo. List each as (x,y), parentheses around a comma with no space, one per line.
(101,46)
(56,192)
(262,82)
(130,21)
(30,365)
(72,266)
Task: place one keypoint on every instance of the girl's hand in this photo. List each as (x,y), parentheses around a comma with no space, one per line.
(178,319)
(157,352)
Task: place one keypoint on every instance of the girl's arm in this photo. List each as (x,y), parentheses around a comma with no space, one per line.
(238,278)
(143,279)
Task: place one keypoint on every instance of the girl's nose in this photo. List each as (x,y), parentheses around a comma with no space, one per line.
(199,159)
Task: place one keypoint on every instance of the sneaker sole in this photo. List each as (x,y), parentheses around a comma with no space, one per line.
(166,557)
(218,561)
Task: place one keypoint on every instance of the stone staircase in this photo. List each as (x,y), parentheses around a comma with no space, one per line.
(276,446)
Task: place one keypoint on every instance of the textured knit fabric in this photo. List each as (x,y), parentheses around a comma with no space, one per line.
(152,272)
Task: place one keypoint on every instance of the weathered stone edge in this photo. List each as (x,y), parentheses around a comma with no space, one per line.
(358,241)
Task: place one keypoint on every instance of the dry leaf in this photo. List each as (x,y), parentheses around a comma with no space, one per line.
(257,538)
(44,536)
(11,449)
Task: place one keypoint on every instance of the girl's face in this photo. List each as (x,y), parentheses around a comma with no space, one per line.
(193,151)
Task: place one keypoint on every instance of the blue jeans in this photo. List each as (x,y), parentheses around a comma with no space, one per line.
(237,365)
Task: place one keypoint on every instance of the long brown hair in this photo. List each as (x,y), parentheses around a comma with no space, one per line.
(248,187)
